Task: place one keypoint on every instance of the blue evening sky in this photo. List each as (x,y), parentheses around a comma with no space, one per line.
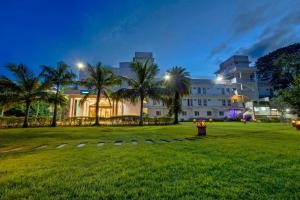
(196,34)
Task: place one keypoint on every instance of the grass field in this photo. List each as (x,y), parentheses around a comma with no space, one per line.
(235,161)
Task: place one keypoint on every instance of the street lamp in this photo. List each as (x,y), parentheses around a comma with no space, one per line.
(219,78)
(167,77)
(80,65)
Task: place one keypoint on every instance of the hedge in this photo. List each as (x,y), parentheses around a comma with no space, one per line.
(125,120)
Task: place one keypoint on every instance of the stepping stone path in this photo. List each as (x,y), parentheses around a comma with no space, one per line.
(41,147)
(164,140)
(118,142)
(134,142)
(177,140)
(80,145)
(12,150)
(61,146)
(100,144)
(190,139)
(149,141)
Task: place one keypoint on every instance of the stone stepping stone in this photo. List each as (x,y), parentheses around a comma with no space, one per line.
(191,139)
(12,150)
(177,140)
(41,147)
(164,140)
(81,145)
(118,142)
(149,141)
(61,146)
(100,144)
(134,142)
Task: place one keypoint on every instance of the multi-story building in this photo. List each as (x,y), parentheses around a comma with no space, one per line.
(223,97)
(236,69)
(107,108)
(207,99)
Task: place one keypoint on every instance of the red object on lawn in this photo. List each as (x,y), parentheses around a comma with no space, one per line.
(201,128)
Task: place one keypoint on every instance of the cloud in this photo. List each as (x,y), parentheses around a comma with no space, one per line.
(249,17)
(272,37)
(218,49)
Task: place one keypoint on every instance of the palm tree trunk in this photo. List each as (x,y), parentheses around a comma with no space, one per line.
(55,108)
(2,112)
(176,107)
(141,111)
(97,108)
(25,123)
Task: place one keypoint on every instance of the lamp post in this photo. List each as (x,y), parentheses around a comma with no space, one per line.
(167,77)
(79,66)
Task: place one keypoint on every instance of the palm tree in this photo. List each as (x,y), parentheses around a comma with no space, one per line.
(26,88)
(99,82)
(59,77)
(178,85)
(142,87)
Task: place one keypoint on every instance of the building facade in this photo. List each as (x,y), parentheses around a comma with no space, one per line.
(222,97)
(107,108)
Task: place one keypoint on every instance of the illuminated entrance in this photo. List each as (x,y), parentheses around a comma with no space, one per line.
(105,109)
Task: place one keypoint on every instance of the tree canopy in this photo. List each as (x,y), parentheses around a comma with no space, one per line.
(269,69)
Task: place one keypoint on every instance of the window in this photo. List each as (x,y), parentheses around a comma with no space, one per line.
(205,102)
(183,113)
(223,91)
(199,90)
(158,113)
(229,102)
(204,91)
(154,102)
(208,113)
(190,102)
(199,102)
(221,113)
(196,113)
(228,90)
(223,102)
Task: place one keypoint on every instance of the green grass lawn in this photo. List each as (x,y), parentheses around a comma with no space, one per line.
(235,161)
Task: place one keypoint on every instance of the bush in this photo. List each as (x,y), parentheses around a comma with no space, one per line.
(125,120)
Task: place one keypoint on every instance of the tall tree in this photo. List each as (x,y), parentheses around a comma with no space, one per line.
(25,88)
(58,76)
(99,82)
(141,87)
(269,70)
(178,84)
(291,94)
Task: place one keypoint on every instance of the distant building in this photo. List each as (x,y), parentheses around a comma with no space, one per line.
(236,69)
(107,109)
(227,96)
(208,99)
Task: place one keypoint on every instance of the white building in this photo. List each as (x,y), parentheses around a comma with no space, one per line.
(107,109)
(223,97)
